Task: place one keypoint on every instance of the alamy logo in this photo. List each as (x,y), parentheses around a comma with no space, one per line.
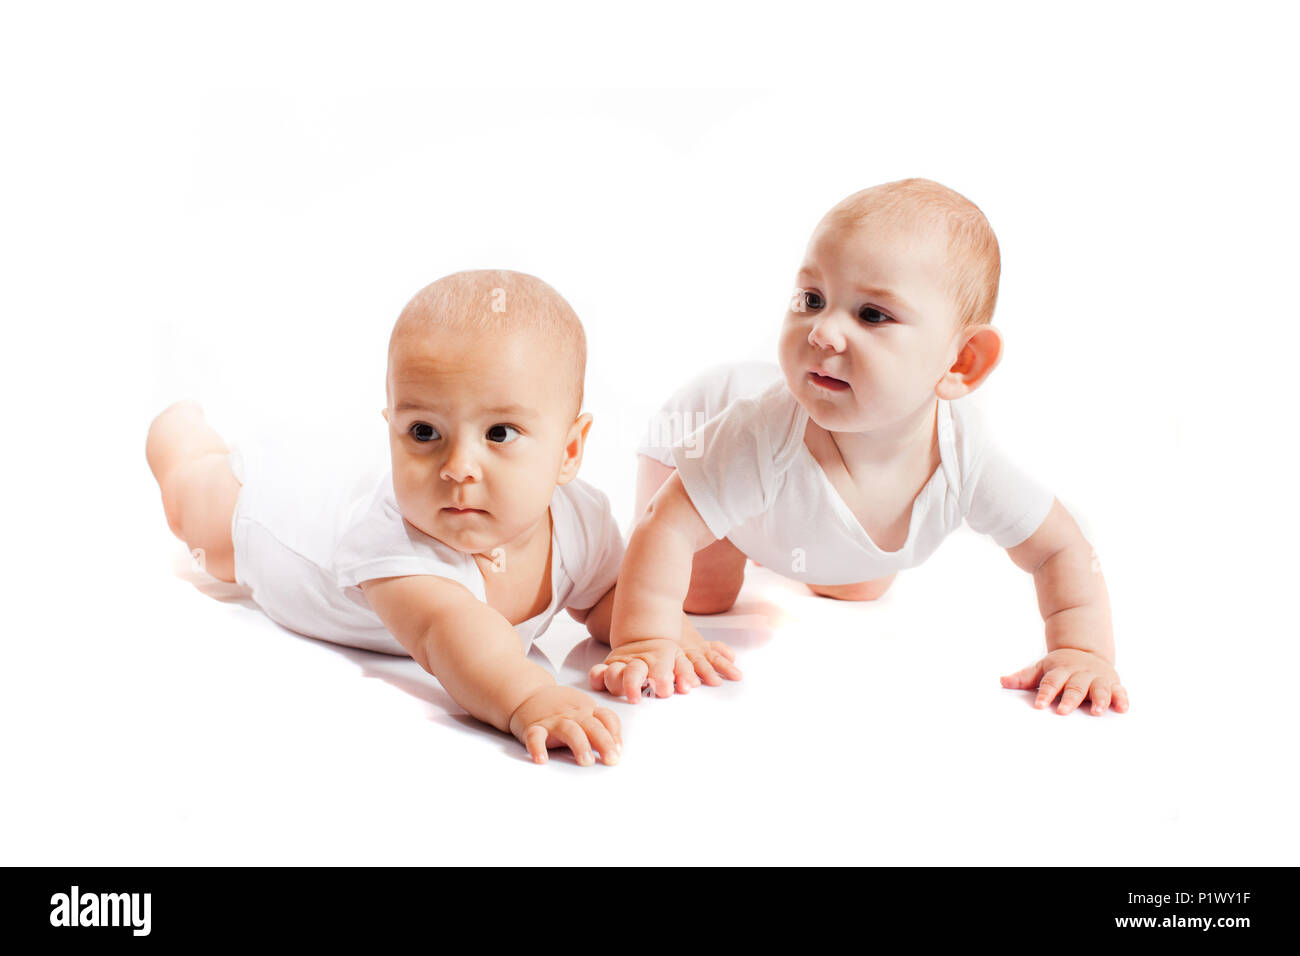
(676,428)
(101,909)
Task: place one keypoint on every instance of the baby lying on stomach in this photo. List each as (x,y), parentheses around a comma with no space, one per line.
(462,553)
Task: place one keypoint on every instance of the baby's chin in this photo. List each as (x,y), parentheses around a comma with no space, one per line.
(828,413)
(464,541)
(836,422)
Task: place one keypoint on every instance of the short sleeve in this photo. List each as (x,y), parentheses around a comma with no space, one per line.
(700,399)
(732,466)
(592,546)
(380,544)
(999,499)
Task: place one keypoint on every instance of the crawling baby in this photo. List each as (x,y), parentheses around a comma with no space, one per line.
(461,554)
(855,458)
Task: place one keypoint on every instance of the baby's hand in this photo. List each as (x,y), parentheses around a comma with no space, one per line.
(1075,675)
(566,717)
(709,658)
(657,662)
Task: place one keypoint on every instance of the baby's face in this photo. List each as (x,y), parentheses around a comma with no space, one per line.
(477,429)
(871,328)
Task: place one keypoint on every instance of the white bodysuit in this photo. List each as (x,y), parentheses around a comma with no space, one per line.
(304,543)
(735,436)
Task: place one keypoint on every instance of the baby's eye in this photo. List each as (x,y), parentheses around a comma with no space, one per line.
(501,434)
(872,316)
(424,432)
(813,300)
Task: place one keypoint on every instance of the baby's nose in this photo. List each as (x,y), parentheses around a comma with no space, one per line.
(459,466)
(826,334)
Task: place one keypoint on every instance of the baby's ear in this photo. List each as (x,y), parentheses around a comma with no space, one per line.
(978,355)
(384,412)
(574,443)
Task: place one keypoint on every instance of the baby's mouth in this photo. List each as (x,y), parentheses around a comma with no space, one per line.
(827,382)
(464,511)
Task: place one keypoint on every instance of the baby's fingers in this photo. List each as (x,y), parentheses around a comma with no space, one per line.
(608,677)
(1107,692)
(602,740)
(570,733)
(535,740)
(723,649)
(610,720)
(712,666)
(684,677)
(663,671)
(722,658)
(633,676)
(1076,689)
(1025,678)
(703,669)
(1050,686)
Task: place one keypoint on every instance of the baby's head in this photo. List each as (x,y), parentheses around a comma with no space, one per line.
(484,385)
(894,299)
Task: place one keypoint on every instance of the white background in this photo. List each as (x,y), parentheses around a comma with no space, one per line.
(233,202)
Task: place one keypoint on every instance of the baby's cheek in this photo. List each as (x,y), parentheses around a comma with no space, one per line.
(412,493)
(415,472)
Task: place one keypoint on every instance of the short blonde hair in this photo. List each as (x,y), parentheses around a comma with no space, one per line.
(486,300)
(976,264)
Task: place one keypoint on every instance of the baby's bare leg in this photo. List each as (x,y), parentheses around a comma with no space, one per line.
(189,461)
(862,591)
(717,572)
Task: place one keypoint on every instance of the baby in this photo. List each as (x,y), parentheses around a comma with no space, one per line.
(462,553)
(855,459)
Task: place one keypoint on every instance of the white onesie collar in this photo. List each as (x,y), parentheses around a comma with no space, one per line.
(948,447)
(529,629)
(920,504)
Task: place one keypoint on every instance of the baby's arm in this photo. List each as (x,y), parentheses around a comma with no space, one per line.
(597,617)
(649,637)
(477,657)
(1076,610)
